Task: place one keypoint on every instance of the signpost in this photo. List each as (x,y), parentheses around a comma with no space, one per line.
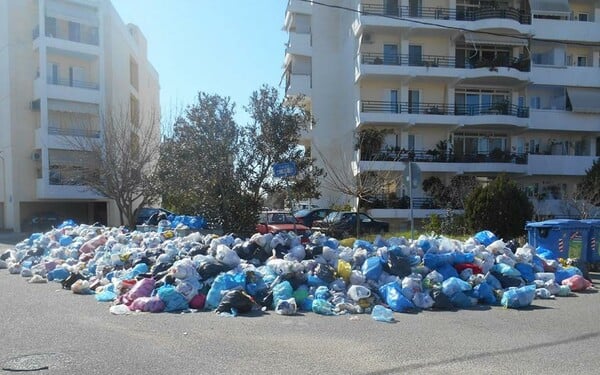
(283,170)
(412,177)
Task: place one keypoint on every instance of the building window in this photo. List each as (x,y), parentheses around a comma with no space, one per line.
(51,27)
(581,61)
(133,73)
(74,32)
(582,17)
(134,108)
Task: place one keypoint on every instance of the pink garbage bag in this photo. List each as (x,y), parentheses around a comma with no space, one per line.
(142,288)
(577,283)
(148,304)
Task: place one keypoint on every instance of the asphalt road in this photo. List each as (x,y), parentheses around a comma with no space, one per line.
(46,328)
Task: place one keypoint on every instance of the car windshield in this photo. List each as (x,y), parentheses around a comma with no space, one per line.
(332,216)
(277,218)
(301,213)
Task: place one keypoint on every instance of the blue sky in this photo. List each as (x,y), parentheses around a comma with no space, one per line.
(228,48)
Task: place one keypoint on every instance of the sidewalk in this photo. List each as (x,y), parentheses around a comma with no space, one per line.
(12,238)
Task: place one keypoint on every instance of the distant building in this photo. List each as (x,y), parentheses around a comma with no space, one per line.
(63,63)
(461,87)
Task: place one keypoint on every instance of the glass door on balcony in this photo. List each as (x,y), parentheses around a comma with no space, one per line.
(390,54)
(415,8)
(76,76)
(74,31)
(394,101)
(391,7)
(413,101)
(52,73)
(51,27)
(415,55)
(472,107)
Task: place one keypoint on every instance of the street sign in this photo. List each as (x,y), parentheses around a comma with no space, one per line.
(415,173)
(286,169)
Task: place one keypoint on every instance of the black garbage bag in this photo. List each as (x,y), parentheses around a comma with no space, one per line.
(312,251)
(280,250)
(508,281)
(295,279)
(265,298)
(236,299)
(70,280)
(5,255)
(160,268)
(247,250)
(441,301)
(198,250)
(210,270)
(397,266)
(325,272)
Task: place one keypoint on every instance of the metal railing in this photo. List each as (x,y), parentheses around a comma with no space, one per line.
(433,61)
(76,132)
(383,201)
(423,108)
(85,37)
(460,13)
(438,156)
(72,83)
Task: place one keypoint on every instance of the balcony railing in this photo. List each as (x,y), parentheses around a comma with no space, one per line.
(422,108)
(86,37)
(369,58)
(72,83)
(460,13)
(75,132)
(383,201)
(436,156)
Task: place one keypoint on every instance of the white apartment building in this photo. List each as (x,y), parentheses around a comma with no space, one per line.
(511,86)
(63,63)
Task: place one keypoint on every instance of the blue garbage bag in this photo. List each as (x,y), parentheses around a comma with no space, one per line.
(282,291)
(322,292)
(313,280)
(565,273)
(364,245)
(454,285)
(372,268)
(223,282)
(485,237)
(505,270)
(391,293)
(173,300)
(461,300)
(106,296)
(65,240)
(322,307)
(526,271)
(447,271)
(544,253)
(67,223)
(484,293)
(518,297)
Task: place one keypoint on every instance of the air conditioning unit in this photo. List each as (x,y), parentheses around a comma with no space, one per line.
(36,155)
(366,38)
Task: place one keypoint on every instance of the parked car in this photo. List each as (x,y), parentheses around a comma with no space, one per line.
(308,216)
(342,224)
(279,221)
(144,213)
(41,222)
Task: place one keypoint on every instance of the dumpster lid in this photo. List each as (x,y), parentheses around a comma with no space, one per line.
(559,223)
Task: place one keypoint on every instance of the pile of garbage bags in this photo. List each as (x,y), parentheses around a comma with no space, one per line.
(161,271)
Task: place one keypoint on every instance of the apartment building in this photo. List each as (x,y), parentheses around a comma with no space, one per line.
(461,87)
(63,63)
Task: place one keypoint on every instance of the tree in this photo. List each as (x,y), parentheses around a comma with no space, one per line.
(213,167)
(363,186)
(272,137)
(116,160)
(197,161)
(501,207)
(452,196)
(589,188)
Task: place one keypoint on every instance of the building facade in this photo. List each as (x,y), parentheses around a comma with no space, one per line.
(63,64)
(461,87)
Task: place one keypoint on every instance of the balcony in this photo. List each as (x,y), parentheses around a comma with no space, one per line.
(45,190)
(563,75)
(299,84)
(67,89)
(299,44)
(562,120)
(372,111)
(438,13)
(89,36)
(570,30)
(566,165)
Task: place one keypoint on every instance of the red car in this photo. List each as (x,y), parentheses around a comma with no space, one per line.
(278,221)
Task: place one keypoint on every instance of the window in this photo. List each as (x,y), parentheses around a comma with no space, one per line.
(133,73)
(581,61)
(582,17)
(74,31)
(51,27)
(134,109)
(534,102)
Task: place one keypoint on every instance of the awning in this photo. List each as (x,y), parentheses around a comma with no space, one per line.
(483,38)
(584,100)
(75,107)
(550,7)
